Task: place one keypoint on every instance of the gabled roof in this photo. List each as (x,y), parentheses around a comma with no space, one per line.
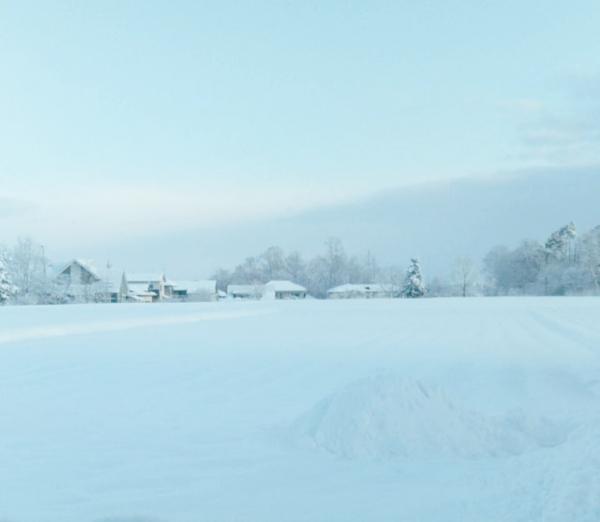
(245,289)
(86,264)
(284,286)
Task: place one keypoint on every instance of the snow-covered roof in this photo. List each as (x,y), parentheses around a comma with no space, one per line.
(140,289)
(196,286)
(361,288)
(245,289)
(87,264)
(284,286)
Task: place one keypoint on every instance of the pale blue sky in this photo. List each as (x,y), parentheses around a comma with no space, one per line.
(185,114)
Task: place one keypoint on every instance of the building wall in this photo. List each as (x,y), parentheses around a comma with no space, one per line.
(359,295)
(202,296)
(290,295)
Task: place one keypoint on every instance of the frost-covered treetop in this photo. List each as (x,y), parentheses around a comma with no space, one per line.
(557,243)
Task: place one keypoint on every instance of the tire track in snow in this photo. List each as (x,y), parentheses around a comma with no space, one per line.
(571,333)
(68,329)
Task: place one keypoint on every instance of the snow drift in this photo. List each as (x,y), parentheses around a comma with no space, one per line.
(386,416)
(573,486)
(173,412)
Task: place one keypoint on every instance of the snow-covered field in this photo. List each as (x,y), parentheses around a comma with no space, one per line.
(408,410)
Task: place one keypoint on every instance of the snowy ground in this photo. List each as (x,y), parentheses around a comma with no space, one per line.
(410,410)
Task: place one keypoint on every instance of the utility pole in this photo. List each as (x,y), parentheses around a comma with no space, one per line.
(108,282)
(43,249)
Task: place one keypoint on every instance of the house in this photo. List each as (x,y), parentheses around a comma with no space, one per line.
(78,272)
(245,291)
(154,287)
(362,291)
(283,290)
(139,293)
(195,290)
(79,281)
(145,288)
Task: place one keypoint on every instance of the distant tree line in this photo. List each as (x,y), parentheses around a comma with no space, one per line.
(333,267)
(564,264)
(25,277)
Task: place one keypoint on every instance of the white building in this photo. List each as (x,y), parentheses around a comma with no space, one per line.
(245,291)
(145,288)
(283,290)
(363,291)
(154,287)
(79,281)
(195,290)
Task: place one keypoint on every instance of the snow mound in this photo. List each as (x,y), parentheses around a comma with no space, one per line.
(387,416)
(573,491)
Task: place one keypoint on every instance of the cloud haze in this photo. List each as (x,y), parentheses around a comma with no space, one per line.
(119,122)
(88,214)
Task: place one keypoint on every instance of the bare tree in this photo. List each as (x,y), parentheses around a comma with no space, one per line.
(465,275)
(295,267)
(272,263)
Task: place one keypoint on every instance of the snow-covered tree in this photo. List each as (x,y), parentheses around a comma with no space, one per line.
(515,271)
(559,246)
(27,266)
(497,270)
(272,263)
(371,270)
(223,277)
(526,263)
(336,262)
(328,270)
(7,289)
(559,255)
(414,285)
(589,258)
(295,267)
(249,272)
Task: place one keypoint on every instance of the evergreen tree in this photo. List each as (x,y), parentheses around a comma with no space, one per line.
(413,283)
